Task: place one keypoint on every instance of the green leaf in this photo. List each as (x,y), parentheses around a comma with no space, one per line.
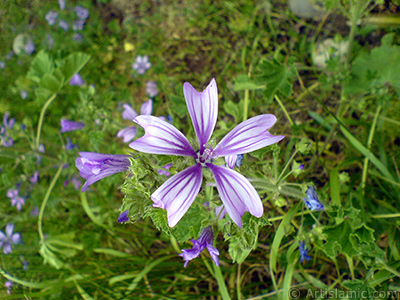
(339,239)
(190,224)
(361,287)
(364,234)
(238,251)
(233,109)
(276,77)
(304,146)
(160,220)
(335,186)
(40,66)
(178,105)
(72,65)
(243,82)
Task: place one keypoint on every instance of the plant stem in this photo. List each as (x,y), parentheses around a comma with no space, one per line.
(39,130)
(221,283)
(284,110)
(46,198)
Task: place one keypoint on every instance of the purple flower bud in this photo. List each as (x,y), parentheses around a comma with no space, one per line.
(69,145)
(303,252)
(77,80)
(95,166)
(34,178)
(124,217)
(41,148)
(23,94)
(8,285)
(204,241)
(51,17)
(68,125)
(301,167)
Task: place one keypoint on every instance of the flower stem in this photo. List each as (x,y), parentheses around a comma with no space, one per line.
(46,198)
(221,283)
(48,102)
(284,110)
(246,105)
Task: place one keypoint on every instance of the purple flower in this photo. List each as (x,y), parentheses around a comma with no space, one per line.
(204,241)
(69,145)
(81,12)
(95,166)
(234,160)
(62,4)
(2,64)
(7,142)
(164,171)
(8,239)
(64,25)
(50,41)
(8,123)
(78,25)
(141,64)
(77,80)
(312,201)
(16,199)
(129,133)
(151,89)
(68,125)
(303,252)
(8,285)
(124,217)
(35,211)
(77,37)
(51,17)
(9,55)
(29,47)
(34,178)
(179,191)
(41,148)
(77,183)
(23,94)
(301,167)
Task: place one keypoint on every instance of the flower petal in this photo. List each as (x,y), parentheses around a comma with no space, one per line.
(9,229)
(248,136)
(146,108)
(237,194)
(129,113)
(178,193)
(161,138)
(128,133)
(203,110)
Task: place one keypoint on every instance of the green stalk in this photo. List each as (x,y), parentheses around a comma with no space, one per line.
(246,105)
(48,102)
(286,166)
(221,283)
(284,110)
(46,198)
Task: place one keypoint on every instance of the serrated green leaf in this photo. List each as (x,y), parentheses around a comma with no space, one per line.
(243,82)
(361,287)
(40,66)
(190,224)
(232,109)
(364,234)
(276,77)
(72,65)
(238,251)
(160,220)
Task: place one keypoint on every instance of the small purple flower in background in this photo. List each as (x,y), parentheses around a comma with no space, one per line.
(141,64)
(26,264)
(69,145)
(23,94)
(29,47)
(35,211)
(51,17)
(77,80)
(8,123)
(303,252)
(68,125)
(7,142)
(50,41)
(10,55)
(8,239)
(34,178)
(76,182)
(2,64)
(151,89)
(81,12)
(312,201)
(204,241)
(78,25)
(64,25)
(124,217)
(301,167)
(16,199)
(8,285)
(77,37)
(164,171)
(177,194)
(129,133)
(62,4)
(41,148)
(95,166)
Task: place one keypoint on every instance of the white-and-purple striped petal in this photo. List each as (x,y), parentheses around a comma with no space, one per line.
(128,133)
(248,136)
(178,193)
(237,193)
(147,107)
(161,138)
(129,113)
(203,110)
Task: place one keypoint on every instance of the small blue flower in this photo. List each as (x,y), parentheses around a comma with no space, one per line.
(16,199)
(29,47)
(77,80)
(301,167)
(77,37)
(78,25)
(151,89)
(303,252)
(62,4)
(141,64)
(9,238)
(23,94)
(51,17)
(69,145)
(64,25)
(2,64)
(312,201)
(124,217)
(81,12)
(34,178)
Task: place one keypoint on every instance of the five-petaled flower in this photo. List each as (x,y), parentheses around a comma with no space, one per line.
(129,133)
(204,241)
(141,64)
(178,193)
(303,252)
(312,201)
(9,238)
(95,166)
(16,199)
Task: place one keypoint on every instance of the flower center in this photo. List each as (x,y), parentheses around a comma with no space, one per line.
(206,157)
